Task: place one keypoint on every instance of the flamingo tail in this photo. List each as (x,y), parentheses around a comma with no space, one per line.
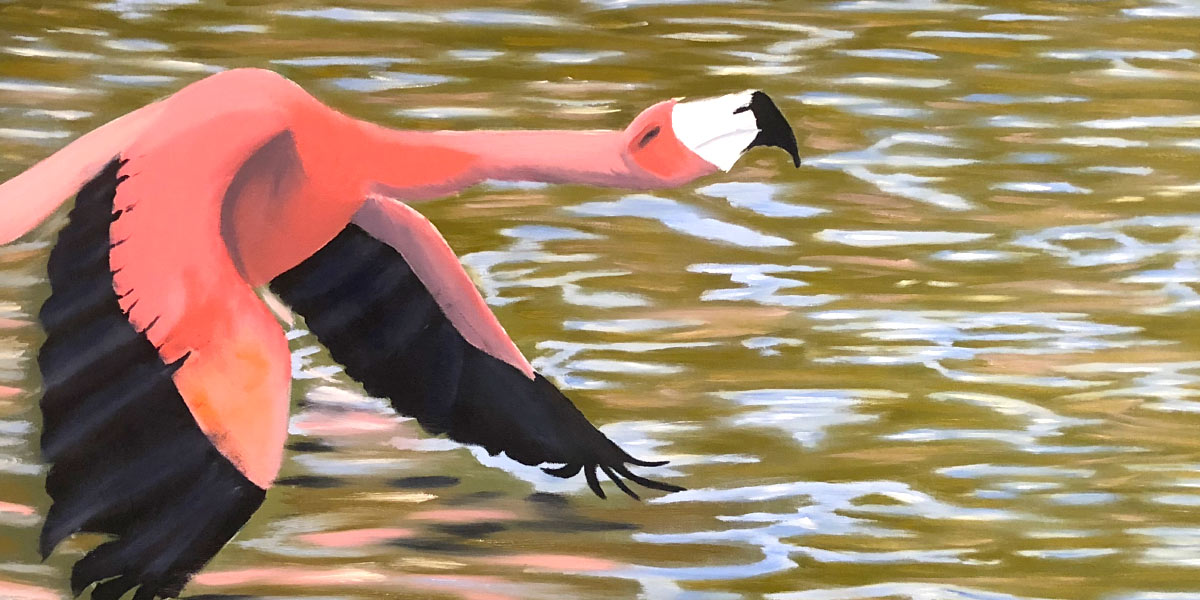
(28,198)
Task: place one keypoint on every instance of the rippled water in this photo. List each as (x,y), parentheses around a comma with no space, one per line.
(952,356)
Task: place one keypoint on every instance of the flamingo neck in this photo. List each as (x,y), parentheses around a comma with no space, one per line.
(414,165)
(588,157)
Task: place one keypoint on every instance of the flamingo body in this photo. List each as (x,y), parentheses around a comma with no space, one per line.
(167,380)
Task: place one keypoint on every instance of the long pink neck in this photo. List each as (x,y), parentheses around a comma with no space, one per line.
(589,157)
(416,165)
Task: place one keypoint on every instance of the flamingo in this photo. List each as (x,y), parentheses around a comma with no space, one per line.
(166,377)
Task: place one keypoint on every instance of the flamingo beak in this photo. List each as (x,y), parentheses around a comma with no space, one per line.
(721,129)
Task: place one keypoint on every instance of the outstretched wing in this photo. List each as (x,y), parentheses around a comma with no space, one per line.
(164,413)
(378,318)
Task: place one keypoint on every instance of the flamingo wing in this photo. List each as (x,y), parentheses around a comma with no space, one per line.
(404,320)
(165,379)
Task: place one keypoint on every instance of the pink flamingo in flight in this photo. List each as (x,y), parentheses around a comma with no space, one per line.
(166,378)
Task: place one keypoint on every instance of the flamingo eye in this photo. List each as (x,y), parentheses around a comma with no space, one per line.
(649,135)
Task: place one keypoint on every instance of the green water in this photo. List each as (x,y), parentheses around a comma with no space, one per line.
(953,356)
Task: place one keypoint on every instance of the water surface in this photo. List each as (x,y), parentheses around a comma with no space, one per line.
(953,356)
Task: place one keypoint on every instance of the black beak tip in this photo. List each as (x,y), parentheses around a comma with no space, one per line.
(773,128)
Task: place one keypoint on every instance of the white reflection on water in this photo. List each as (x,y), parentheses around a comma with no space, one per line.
(896,591)
(1018,122)
(1161,386)
(629,325)
(1014,99)
(1141,171)
(1083,498)
(753,70)
(1068,554)
(760,286)
(450,112)
(816,37)
(1118,60)
(335,466)
(510,18)
(141,9)
(975,256)
(137,45)
(930,337)
(1100,54)
(353,15)
(20,86)
(1144,122)
(1006,490)
(338,61)
(1102,142)
(1042,187)
(769,345)
(980,471)
(1112,243)
(235,28)
(52,53)
(388,80)
(980,35)
(618,4)
(1178,546)
(875,239)
(758,197)
(575,57)
(563,365)
(1157,595)
(869,79)
(906,185)
(890,54)
(32,134)
(1166,9)
(1011,17)
(805,414)
(137,80)
(59,115)
(1040,423)
(880,107)
(681,218)
(823,509)
(515,266)
(474,54)
(902,6)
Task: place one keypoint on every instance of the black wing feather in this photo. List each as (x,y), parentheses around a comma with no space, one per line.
(364,303)
(127,457)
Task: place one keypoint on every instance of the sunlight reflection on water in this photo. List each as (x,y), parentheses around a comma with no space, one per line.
(948,357)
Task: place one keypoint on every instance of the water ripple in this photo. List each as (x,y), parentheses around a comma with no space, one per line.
(931,337)
(759,198)
(679,217)
(906,185)
(909,591)
(563,365)
(1024,391)
(981,35)
(760,286)
(876,238)
(1040,422)
(805,414)
(890,54)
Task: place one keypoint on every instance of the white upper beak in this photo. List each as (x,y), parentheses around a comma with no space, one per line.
(717,129)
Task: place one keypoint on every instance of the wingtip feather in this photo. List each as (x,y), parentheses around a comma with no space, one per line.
(593,482)
(647,463)
(649,483)
(620,484)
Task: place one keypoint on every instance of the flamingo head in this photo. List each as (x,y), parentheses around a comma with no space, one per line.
(677,141)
